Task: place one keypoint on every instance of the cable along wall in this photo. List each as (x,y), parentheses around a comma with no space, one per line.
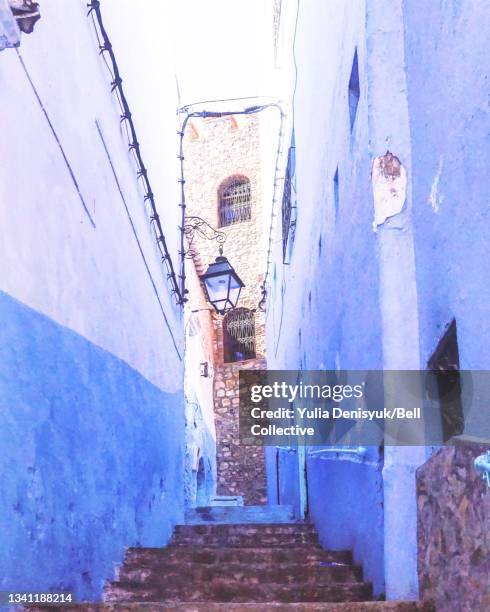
(105,47)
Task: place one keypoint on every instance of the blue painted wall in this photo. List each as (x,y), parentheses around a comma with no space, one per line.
(346,506)
(447,49)
(323,311)
(287,486)
(91,457)
(352,298)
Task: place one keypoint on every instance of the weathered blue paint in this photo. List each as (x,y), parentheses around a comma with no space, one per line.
(91,457)
(9,30)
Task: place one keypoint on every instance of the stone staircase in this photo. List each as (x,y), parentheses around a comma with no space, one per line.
(240,559)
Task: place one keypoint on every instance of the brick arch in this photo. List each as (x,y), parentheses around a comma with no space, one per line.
(234,200)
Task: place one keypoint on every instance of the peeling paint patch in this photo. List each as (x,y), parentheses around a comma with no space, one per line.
(435,198)
(389,181)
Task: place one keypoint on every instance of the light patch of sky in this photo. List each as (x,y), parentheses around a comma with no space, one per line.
(222,48)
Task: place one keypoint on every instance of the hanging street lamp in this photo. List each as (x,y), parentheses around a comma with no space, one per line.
(221,282)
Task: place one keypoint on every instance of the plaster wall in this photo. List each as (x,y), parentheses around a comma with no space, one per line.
(80,267)
(92,457)
(447,81)
(353,298)
(323,307)
(92,342)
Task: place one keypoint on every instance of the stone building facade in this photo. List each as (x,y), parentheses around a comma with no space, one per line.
(222,160)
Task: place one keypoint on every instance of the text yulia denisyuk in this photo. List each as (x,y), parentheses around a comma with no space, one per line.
(309,416)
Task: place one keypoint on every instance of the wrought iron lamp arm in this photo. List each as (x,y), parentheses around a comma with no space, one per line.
(196,225)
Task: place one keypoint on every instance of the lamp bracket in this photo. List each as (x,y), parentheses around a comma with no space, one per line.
(196,225)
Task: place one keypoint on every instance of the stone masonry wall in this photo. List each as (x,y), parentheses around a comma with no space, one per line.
(216,149)
(241,469)
(454,530)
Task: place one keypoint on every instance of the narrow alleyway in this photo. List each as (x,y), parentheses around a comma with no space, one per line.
(200,196)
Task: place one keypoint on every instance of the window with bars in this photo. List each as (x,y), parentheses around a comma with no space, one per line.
(288,207)
(238,335)
(234,201)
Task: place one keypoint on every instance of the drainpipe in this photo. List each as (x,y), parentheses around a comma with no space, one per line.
(389,132)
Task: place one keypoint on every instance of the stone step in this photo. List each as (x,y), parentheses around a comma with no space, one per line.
(284,573)
(226,500)
(239,514)
(307,555)
(365,606)
(246,529)
(222,591)
(253,540)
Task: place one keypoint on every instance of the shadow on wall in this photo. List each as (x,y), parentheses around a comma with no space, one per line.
(91,461)
(344,518)
(345,499)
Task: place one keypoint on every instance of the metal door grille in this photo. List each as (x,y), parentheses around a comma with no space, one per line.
(234,202)
(239,335)
(286,211)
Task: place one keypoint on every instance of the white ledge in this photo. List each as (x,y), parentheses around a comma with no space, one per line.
(358,451)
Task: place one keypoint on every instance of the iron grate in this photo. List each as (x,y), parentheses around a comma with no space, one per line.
(234,202)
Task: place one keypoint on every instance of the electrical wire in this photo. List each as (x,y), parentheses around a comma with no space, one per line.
(209,114)
(56,137)
(185,109)
(187,106)
(105,47)
(135,234)
(295,63)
